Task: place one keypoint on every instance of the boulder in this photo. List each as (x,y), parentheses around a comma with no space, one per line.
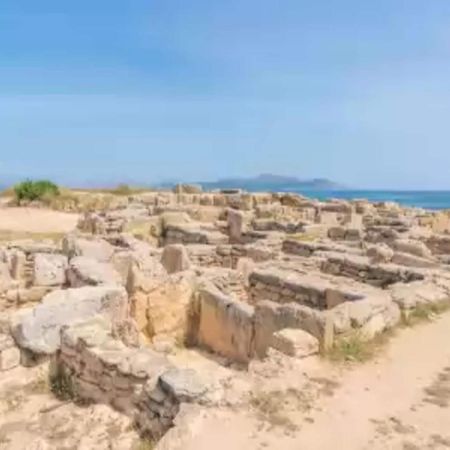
(413,247)
(98,249)
(175,258)
(409,260)
(9,353)
(85,271)
(411,295)
(295,342)
(162,307)
(6,282)
(183,385)
(379,253)
(235,220)
(187,189)
(49,269)
(38,329)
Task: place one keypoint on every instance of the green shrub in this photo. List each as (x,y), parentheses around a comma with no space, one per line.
(35,190)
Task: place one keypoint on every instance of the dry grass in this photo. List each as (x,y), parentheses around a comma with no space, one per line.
(424,313)
(273,407)
(121,189)
(439,392)
(82,200)
(355,348)
(145,444)
(39,386)
(304,237)
(11,235)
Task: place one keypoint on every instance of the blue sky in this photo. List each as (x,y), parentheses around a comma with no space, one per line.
(107,91)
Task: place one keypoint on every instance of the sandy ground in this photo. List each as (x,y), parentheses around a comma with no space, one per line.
(34,220)
(399,401)
(31,418)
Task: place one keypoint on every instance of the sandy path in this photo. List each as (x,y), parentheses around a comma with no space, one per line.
(34,220)
(400,401)
(31,418)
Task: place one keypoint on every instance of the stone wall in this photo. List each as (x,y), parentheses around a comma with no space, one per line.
(189,234)
(288,287)
(362,269)
(28,271)
(136,381)
(224,325)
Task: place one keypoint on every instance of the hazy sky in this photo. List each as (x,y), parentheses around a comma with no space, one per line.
(109,90)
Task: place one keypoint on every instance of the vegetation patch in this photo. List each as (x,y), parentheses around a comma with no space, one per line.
(355,348)
(10,235)
(35,190)
(304,237)
(273,407)
(424,312)
(62,386)
(145,443)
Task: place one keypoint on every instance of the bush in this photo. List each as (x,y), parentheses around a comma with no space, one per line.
(35,190)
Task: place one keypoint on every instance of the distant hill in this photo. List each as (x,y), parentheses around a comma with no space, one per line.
(271,182)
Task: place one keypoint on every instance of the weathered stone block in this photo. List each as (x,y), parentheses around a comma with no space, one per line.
(296,343)
(37,329)
(49,269)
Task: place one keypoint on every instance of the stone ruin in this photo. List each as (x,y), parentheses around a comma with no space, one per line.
(234,274)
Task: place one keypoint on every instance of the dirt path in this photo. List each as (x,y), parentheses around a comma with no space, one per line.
(31,418)
(34,220)
(400,401)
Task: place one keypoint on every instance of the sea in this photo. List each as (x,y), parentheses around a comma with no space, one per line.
(432,200)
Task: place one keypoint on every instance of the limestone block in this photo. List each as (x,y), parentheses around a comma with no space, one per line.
(235,221)
(37,329)
(165,308)
(329,218)
(184,385)
(412,247)
(9,353)
(6,281)
(271,317)
(84,271)
(337,233)
(411,295)
(380,253)
(225,325)
(98,249)
(175,258)
(409,260)
(49,269)
(296,343)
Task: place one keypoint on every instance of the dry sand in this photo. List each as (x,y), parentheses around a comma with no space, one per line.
(35,220)
(399,401)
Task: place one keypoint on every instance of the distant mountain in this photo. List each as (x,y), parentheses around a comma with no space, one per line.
(271,182)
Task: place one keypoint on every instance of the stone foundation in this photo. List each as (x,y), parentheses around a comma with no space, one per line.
(136,381)
(362,269)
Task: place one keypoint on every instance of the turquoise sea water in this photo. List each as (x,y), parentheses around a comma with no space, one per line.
(421,199)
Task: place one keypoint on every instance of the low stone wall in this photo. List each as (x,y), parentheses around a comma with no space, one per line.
(28,271)
(192,235)
(277,225)
(307,249)
(362,269)
(224,325)
(227,256)
(136,381)
(289,287)
(215,256)
(439,244)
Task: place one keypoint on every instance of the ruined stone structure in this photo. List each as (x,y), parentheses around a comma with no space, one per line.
(234,274)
